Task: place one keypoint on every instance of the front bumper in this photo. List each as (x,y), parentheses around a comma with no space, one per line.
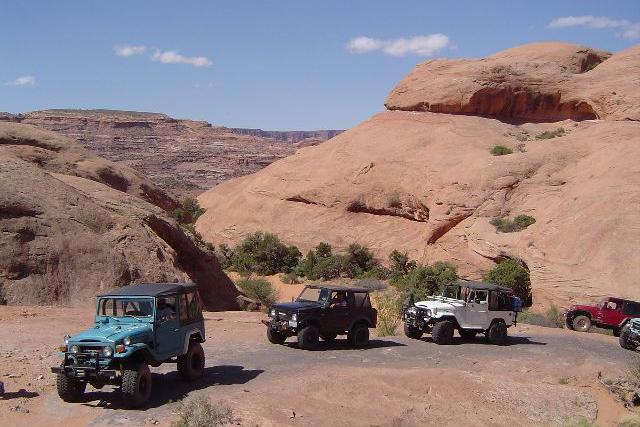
(418,320)
(90,366)
(288,326)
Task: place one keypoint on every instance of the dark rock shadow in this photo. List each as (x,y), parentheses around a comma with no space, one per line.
(169,387)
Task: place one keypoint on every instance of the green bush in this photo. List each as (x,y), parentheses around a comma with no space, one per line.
(501,150)
(551,134)
(399,264)
(329,268)
(291,278)
(389,308)
(264,254)
(511,274)
(200,412)
(189,212)
(359,260)
(424,281)
(259,290)
(519,223)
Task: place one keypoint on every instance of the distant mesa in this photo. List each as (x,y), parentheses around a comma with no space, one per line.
(185,157)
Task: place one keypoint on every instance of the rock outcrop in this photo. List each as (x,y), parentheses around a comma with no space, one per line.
(541,82)
(182,156)
(426,182)
(73,225)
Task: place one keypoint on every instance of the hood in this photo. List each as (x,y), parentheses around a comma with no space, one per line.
(290,307)
(440,304)
(583,307)
(110,332)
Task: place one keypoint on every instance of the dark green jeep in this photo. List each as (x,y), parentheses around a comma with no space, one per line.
(135,326)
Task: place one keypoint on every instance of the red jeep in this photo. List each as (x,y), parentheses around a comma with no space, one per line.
(610,313)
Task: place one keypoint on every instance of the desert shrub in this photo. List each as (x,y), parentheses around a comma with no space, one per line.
(399,264)
(264,254)
(579,422)
(329,268)
(389,308)
(519,223)
(511,274)
(393,200)
(200,412)
(551,134)
(356,206)
(259,290)
(551,318)
(359,260)
(225,255)
(424,281)
(291,278)
(188,212)
(323,250)
(501,150)
(554,317)
(629,421)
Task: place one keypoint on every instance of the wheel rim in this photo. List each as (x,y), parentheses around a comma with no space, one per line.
(581,324)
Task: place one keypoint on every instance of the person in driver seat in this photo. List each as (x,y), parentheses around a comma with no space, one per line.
(339,300)
(164,311)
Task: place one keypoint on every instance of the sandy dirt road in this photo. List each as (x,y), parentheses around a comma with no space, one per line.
(543,377)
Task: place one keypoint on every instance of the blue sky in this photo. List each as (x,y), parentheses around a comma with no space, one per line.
(268,64)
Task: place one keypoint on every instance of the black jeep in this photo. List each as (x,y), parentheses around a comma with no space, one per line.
(323,312)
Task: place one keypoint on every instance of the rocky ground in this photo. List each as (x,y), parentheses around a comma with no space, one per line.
(543,377)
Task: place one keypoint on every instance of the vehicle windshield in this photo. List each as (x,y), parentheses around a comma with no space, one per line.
(451,291)
(125,307)
(314,295)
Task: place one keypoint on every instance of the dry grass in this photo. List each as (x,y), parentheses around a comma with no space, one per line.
(200,412)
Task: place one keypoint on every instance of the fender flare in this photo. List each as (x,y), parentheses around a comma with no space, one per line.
(360,320)
(197,332)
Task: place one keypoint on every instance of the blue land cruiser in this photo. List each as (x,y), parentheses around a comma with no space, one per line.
(136,326)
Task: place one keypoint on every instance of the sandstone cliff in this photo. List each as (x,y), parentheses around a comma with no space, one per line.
(73,225)
(424,180)
(182,156)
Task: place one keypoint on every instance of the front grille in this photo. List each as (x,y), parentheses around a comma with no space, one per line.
(283,316)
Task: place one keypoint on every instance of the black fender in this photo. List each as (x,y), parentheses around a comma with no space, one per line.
(360,320)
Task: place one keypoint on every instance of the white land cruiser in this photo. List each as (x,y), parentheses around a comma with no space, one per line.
(469,307)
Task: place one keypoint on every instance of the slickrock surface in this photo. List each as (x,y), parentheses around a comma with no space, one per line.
(73,224)
(425,181)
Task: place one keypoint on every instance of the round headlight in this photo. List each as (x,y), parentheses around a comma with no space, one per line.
(107,352)
(126,341)
(66,339)
(294,317)
(272,313)
(412,310)
(428,312)
(74,349)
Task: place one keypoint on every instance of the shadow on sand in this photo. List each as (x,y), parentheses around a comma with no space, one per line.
(481,340)
(342,344)
(168,387)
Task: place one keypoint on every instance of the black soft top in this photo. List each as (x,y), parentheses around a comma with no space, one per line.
(151,289)
(483,285)
(339,288)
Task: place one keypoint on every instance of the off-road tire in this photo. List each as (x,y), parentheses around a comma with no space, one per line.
(442,332)
(308,337)
(497,333)
(191,365)
(69,390)
(467,334)
(329,337)
(617,331)
(581,323)
(412,332)
(275,337)
(624,339)
(358,336)
(136,385)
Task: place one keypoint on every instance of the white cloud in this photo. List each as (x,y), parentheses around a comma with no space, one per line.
(629,30)
(129,50)
(173,57)
(22,81)
(418,45)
